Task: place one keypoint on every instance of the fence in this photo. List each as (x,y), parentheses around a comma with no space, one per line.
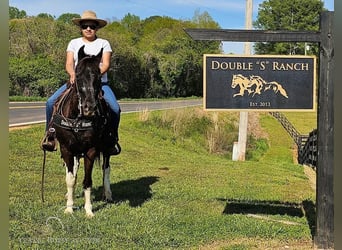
(306,144)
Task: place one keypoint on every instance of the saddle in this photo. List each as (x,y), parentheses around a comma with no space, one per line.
(103,123)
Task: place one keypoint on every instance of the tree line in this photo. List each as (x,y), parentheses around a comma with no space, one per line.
(152,58)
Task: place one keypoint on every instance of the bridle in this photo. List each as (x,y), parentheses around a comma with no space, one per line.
(81,122)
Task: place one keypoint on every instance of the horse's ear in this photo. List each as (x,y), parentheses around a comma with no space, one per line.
(81,53)
(99,55)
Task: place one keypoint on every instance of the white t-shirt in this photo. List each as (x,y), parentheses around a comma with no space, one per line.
(90,48)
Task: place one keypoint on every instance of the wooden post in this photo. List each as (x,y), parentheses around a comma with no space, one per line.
(243,123)
(324,237)
(324,233)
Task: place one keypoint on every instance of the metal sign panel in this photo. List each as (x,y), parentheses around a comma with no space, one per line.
(259,82)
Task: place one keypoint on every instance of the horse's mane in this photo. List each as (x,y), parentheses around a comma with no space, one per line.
(240,76)
(87,70)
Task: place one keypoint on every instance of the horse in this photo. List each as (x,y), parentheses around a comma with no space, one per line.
(256,85)
(81,120)
(241,81)
(261,84)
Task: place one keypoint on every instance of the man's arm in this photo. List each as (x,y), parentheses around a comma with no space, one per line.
(70,66)
(105,62)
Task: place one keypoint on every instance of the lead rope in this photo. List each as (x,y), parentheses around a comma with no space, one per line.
(58,109)
(43,173)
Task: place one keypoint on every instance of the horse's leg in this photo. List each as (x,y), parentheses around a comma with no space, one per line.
(72,164)
(87,182)
(107,193)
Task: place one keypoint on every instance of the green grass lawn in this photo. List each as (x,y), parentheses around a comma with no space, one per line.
(169,193)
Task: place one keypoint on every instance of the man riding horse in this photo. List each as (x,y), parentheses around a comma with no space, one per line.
(89,24)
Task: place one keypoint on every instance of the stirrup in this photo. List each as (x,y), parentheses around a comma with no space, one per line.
(49,142)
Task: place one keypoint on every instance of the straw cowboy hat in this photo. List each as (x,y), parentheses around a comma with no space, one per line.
(89,15)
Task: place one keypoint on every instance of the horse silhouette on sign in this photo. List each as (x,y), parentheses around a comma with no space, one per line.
(255,85)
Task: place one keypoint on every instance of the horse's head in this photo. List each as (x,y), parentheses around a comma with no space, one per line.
(234,81)
(238,80)
(88,81)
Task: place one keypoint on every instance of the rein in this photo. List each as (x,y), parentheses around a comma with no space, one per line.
(77,124)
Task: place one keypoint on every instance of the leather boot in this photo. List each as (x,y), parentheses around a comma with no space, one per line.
(49,142)
(114,147)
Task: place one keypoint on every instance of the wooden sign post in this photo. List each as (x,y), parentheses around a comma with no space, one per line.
(324,234)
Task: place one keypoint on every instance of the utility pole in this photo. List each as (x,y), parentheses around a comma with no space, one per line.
(243,123)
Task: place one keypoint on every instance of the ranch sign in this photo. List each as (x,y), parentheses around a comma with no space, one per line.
(264,83)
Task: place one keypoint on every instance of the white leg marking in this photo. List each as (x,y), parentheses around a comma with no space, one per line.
(87,204)
(106,184)
(76,165)
(70,182)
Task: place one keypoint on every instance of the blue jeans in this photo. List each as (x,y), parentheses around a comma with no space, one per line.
(108,95)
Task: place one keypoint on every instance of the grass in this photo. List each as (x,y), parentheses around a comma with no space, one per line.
(304,122)
(169,192)
(26,98)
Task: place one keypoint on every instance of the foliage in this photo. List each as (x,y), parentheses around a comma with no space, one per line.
(256,147)
(16,13)
(153,57)
(45,15)
(288,15)
(42,73)
(67,17)
(167,195)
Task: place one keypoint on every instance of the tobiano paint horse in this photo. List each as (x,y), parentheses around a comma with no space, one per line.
(81,120)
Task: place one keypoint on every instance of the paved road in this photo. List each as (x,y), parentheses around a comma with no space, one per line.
(25,113)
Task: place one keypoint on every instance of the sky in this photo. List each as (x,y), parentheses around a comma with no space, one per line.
(229,14)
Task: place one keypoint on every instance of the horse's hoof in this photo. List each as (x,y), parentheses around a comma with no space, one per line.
(89,214)
(109,200)
(68,210)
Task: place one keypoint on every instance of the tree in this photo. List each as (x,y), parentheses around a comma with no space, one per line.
(45,15)
(287,15)
(204,20)
(67,17)
(15,13)
(151,58)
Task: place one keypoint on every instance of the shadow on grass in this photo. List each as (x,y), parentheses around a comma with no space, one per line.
(136,192)
(306,208)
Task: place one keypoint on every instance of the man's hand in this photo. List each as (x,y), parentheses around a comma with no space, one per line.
(72,78)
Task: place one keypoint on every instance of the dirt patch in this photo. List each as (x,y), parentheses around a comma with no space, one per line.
(311,174)
(254,126)
(19,127)
(257,243)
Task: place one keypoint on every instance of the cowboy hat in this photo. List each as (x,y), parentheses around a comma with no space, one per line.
(89,15)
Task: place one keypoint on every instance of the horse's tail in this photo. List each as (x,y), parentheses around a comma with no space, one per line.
(97,159)
(280,89)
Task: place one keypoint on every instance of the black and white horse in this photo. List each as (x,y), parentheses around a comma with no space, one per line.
(81,120)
